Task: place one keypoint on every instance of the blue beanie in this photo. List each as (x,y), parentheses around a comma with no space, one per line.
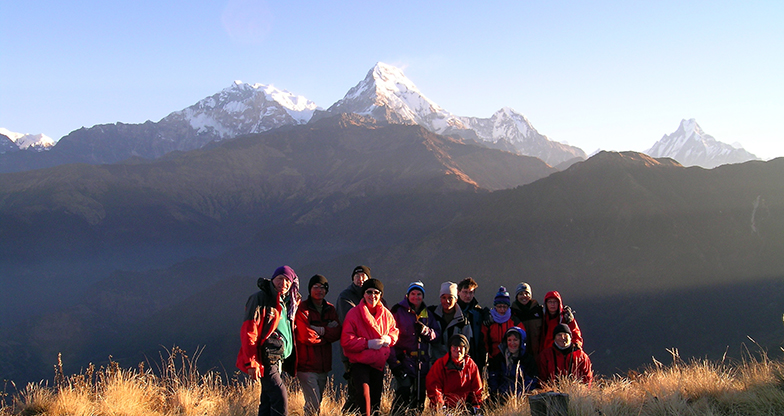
(501,297)
(416,285)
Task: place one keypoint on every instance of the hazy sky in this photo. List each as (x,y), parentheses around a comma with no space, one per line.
(601,74)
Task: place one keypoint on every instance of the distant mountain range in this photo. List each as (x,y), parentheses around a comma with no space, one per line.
(691,146)
(11,141)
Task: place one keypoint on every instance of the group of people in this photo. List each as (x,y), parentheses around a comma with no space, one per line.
(438,351)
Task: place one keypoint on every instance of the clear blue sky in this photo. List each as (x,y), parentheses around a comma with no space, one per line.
(601,74)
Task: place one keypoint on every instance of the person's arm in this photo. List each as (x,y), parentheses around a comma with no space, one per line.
(332,330)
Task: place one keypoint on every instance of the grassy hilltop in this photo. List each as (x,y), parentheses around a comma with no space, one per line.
(753,386)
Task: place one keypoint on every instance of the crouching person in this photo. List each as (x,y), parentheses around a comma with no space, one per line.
(454,382)
(565,358)
(513,371)
(368,333)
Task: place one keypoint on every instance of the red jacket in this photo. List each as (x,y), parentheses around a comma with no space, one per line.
(550,322)
(494,335)
(360,326)
(573,362)
(313,350)
(262,313)
(448,385)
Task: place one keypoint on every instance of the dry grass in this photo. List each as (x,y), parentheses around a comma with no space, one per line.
(752,387)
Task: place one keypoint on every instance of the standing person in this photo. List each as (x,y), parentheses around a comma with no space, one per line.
(451,320)
(529,312)
(369,332)
(316,328)
(556,313)
(513,372)
(501,321)
(565,358)
(411,361)
(466,301)
(349,298)
(267,338)
(454,382)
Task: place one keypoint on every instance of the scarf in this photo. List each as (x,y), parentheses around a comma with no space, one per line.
(498,318)
(373,322)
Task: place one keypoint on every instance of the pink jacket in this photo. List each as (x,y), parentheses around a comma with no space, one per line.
(359,327)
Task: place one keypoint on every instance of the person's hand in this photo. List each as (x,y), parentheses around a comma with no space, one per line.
(333,324)
(487,317)
(386,340)
(253,373)
(419,328)
(568,314)
(375,344)
(319,330)
(462,322)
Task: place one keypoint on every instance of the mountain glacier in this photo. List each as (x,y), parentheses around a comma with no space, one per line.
(691,146)
(22,141)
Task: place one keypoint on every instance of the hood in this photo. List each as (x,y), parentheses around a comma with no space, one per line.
(553,295)
(523,336)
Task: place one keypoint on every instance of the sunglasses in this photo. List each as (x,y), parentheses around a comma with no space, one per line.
(373,292)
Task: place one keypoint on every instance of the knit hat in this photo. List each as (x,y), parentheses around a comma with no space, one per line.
(502,297)
(286,271)
(373,284)
(416,285)
(457,340)
(562,328)
(523,287)
(361,269)
(320,280)
(448,288)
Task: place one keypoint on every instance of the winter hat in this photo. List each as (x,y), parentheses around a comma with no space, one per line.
(517,331)
(320,280)
(561,328)
(286,271)
(502,297)
(416,285)
(373,284)
(448,288)
(523,287)
(458,340)
(361,269)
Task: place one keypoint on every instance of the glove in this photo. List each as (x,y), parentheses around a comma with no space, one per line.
(375,344)
(567,314)
(386,341)
(487,317)
(319,330)
(419,328)
(333,324)
(462,322)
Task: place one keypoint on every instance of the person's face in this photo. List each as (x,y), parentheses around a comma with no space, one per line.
(524,297)
(501,308)
(360,278)
(563,340)
(372,297)
(448,302)
(512,343)
(552,305)
(466,294)
(317,292)
(415,298)
(282,284)
(457,352)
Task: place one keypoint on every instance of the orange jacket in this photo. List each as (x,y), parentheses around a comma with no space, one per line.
(262,314)
(572,362)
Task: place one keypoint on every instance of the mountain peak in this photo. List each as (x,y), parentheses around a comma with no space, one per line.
(38,142)
(691,146)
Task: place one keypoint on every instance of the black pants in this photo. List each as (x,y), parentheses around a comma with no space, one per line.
(274,398)
(369,384)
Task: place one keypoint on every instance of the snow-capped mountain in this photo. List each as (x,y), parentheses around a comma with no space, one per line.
(691,146)
(387,94)
(243,109)
(37,142)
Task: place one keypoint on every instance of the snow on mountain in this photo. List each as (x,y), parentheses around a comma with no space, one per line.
(37,142)
(387,94)
(243,108)
(691,146)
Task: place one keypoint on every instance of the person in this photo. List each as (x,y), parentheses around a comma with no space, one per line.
(410,360)
(529,312)
(267,339)
(466,301)
(316,328)
(501,321)
(369,332)
(555,314)
(454,383)
(451,320)
(349,298)
(564,358)
(513,371)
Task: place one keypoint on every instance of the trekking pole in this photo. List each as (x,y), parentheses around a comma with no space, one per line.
(419,367)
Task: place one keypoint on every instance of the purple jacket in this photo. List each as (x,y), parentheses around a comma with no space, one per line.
(410,351)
